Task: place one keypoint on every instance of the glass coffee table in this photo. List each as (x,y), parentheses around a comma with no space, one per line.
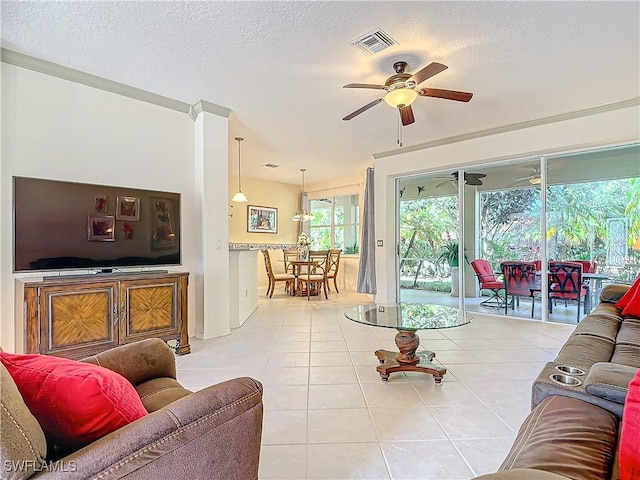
(407,318)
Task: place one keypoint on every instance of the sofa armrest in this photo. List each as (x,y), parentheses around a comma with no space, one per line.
(522,474)
(613,292)
(138,361)
(609,381)
(213,433)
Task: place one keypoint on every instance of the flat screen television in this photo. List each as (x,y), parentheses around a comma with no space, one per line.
(64,225)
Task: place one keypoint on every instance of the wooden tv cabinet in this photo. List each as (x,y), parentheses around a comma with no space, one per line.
(79,316)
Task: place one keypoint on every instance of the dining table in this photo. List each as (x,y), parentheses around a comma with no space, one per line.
(301,267)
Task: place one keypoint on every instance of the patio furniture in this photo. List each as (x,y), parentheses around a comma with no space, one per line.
(519,281)
(274,277)
(488,281)
(565,282)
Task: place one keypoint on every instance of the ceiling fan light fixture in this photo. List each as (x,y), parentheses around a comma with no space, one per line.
(535,180)
(401,96)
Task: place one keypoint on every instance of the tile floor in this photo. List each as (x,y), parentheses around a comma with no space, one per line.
(329,416)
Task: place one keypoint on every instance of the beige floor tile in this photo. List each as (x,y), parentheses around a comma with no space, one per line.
(408,424)
(335,396)
(470,421)
(327,336)
(346,461)
(332,375)
(283,462)
(291,347)
(425,460)
(324,359)
(486,455)
(284,427)
(284,376)
(391,395)
(288,359)
(446,393)
(330,346)
(369,374)
(286,397)
(340,426)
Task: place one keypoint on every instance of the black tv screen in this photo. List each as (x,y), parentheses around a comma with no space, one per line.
(64,225)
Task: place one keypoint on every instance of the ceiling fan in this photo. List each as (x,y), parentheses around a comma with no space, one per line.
(401,90)
(533,179)
(469,179)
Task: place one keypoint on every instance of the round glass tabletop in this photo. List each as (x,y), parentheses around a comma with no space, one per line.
(408,316)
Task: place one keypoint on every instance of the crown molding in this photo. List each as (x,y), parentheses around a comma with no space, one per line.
(631,102)
(208,107)
(43,66)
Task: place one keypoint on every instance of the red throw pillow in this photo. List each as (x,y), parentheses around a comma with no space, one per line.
(629,451)
(629,295)
(632,309)
(75,402)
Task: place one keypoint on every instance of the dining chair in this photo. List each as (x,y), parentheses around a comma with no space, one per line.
(316,274)
(519,281)
(288,256)
(565,282)
(275,277)
(332,270)
(488,281)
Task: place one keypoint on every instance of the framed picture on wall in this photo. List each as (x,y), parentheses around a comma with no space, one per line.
(262,219)
(128,208)
(101,228)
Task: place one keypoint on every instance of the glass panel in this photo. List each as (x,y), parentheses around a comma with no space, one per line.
(335,223)
(428,236)
(593,219)
(320,238)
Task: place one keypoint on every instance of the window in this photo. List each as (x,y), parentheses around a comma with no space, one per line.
(335,223)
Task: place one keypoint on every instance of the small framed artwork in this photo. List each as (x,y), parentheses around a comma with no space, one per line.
(101,228)
(162,229)
(100,204)
(262,219)
(127,231)
(128,208)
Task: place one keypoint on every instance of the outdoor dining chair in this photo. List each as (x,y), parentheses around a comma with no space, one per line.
(565,282)
(519,281)
(488,281)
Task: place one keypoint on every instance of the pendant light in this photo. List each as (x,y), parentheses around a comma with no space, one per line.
(302,215)
(239,196)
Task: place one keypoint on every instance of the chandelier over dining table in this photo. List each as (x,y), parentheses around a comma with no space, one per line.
(301,214)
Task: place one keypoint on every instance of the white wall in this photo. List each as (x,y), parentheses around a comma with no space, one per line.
(608,128)
(56,129)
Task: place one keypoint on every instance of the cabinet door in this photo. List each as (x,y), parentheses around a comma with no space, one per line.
(78,320)
(150,308)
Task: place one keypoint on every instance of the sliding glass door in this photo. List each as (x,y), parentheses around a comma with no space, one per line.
(527,214)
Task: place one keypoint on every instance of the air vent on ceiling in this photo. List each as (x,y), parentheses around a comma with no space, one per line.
(270,165)
(373,42)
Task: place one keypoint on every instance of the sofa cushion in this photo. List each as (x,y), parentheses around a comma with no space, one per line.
(613,292)
(556,438)
(609,381)
(74,402)
(22,438)
(629,449)
(626,355)
(599,325)
(585,350)
(160,392)
(629,333)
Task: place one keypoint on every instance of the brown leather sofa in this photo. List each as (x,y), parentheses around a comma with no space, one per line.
(572,430)
(214,433)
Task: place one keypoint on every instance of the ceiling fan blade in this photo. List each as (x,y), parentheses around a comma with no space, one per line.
(446,94)
(364,85)
(363,109)
(427,72)
(406,115)
(473,181)
(474,175)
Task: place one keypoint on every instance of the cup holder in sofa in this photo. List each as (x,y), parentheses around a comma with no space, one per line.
(565,380)
(570,370)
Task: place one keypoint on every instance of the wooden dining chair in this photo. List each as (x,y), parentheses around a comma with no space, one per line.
(275,277)
(332,269)
(316,275)
(289,255)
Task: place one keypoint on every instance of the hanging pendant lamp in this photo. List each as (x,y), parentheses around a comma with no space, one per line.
(239,196)
(302,215)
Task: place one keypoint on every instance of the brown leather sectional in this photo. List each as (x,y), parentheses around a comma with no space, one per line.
(577,401)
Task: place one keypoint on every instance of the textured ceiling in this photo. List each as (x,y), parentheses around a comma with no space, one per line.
(280,66)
